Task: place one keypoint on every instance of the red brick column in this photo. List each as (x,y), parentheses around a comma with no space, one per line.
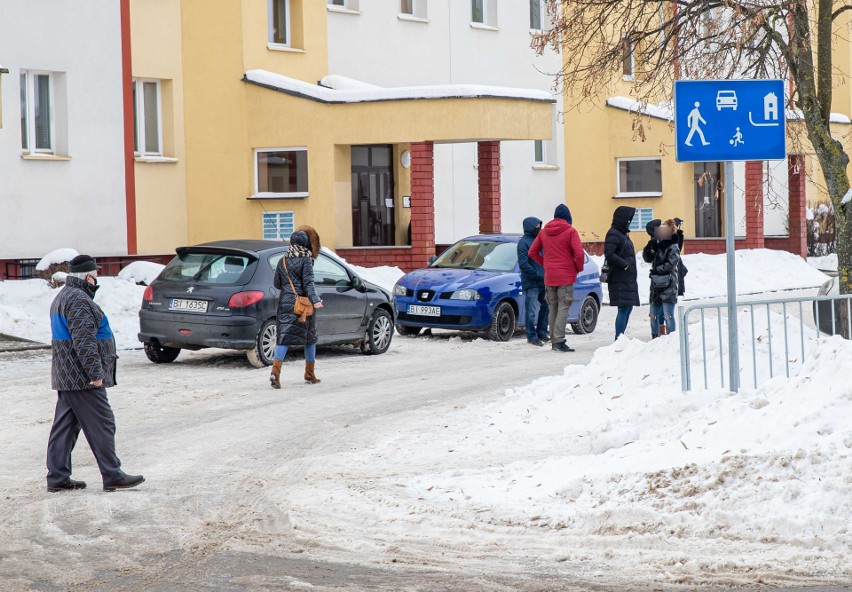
(422,203)
(489,187)
(796,179)
(754,205)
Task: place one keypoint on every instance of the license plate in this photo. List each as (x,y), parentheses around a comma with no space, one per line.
(424,311)
(188,305)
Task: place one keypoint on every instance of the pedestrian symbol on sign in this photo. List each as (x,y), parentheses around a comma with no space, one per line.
(693,121)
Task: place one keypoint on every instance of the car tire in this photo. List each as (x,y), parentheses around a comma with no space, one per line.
(588,317)
(260,356)
(160,354)
(379,333)
(407,331)
(503,324)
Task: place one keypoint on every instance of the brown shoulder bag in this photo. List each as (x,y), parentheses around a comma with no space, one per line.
(303,308)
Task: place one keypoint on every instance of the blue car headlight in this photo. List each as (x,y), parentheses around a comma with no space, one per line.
(399,290)
(465,295)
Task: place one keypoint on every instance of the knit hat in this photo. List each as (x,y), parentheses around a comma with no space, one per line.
(563,212)
(82,264)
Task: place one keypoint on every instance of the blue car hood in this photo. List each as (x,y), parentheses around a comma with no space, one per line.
(442,279)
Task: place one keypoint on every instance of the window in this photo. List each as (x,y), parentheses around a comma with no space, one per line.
(329,273)
(279,22)
(147,118)
(478,11)
(344,5)
(414,8)
(205,268)
(37,112)
(278,225)
(281,172)
(539,148)
(627,59)
(535,15)
(483,12)
(640,177)
(641,219)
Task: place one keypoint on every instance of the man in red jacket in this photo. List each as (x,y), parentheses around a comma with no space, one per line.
(563,260)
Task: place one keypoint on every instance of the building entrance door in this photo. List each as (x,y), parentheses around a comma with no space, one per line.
(373,217)
(708,205)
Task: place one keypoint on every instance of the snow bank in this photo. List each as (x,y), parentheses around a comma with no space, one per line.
(141,272)
(25,309)
(826,263)
(353,93)
(56,257)
(758,271)
(383,276)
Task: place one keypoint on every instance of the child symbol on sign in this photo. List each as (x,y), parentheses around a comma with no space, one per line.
(737,139)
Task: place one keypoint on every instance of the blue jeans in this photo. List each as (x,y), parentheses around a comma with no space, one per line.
(664,310)
(621,320)
(310,352)
(536,313)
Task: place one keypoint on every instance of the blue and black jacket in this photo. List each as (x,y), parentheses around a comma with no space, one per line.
(83,343)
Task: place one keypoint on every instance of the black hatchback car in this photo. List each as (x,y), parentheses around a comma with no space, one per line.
(220,294)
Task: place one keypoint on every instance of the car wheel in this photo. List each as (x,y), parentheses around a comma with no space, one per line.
(267,338)
(588,317)
(503,323)
(379,333)
(160,354)
(407,331)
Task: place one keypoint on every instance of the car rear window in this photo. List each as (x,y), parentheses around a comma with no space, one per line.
(480,254)
(206,268)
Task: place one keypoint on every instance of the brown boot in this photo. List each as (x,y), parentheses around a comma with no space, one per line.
(275,376)
(310,377)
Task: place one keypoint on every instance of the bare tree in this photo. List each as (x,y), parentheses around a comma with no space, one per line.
(717,39)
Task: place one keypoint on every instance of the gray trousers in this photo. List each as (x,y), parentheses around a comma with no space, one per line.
(559,300)
(89,410)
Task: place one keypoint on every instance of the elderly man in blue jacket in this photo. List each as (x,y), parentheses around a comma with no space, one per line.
(532,281)
(83,367)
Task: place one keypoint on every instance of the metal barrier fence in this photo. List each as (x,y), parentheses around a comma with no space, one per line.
(832,315)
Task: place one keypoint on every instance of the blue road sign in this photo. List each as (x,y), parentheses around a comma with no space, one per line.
(729,120)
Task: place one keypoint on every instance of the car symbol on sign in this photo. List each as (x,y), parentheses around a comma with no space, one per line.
(726,99)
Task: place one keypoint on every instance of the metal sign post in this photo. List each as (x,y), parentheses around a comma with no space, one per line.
(730,121)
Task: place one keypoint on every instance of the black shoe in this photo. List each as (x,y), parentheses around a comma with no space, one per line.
(562,347)
(545,338)
(69,484)
(125,482)
(536,342)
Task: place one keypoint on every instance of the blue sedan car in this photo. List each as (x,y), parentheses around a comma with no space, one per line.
(476,286)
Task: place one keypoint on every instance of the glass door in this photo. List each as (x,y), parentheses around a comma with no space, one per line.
(708,212)
(373,219)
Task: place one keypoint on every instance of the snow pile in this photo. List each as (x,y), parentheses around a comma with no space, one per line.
(337,82)
(141,272)
(758,271)
(825,263)
(362,94)
(55,258)
(383,276)
(25,309)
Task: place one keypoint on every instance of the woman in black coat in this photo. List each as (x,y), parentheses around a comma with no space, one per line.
(621,258)
(663,254)
(294,277)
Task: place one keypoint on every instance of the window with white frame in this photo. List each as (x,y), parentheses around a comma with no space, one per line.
(641,219)
(278,225)
(278,12)
(147,118)
(414,8)
(38,120)
(344,5)
(639,177)
(546,152)
(483,12)
(535,15)
(281,172)
(540,149)
(628,64)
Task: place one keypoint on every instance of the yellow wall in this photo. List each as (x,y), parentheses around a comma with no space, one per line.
(161,186)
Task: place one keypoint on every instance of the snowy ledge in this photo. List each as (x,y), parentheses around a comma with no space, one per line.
(664,110)
(338,89)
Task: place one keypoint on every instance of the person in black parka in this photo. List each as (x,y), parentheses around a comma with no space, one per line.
(291,331)
(663,254)
(532,281)
(620,255)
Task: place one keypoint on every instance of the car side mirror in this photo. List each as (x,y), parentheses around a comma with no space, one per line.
(357,283)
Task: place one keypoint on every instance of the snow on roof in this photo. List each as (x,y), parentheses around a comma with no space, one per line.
(797,115)
(55,257)
(347,90)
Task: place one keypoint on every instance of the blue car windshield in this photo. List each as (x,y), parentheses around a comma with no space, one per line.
(482,255)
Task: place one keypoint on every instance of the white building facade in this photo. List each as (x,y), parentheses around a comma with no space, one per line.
(433,42)
(62,167)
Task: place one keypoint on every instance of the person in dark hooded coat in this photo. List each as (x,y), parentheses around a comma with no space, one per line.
(621,257)
(663,254)
(532,281)
(294,277)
